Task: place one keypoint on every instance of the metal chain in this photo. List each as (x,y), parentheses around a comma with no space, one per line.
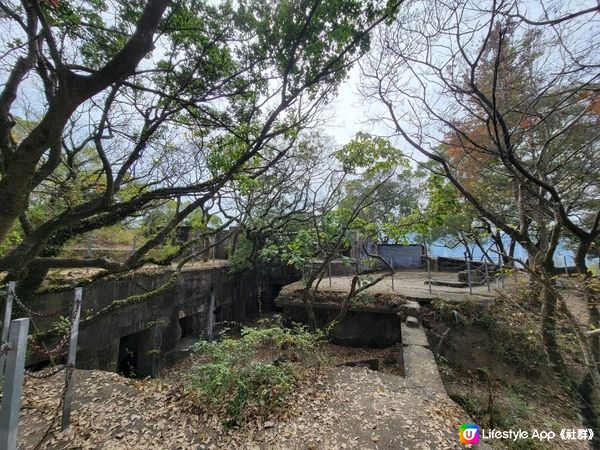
(55,351)
(44,375)
(31,312)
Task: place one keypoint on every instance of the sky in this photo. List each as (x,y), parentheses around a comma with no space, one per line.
(347,111)
(350,113)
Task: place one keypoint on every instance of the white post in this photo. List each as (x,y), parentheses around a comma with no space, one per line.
(468,274)
(10,294)
(487,277)
(13,383)
(502,271)
(429,273)
(71,356)
(566,270)
(392,266)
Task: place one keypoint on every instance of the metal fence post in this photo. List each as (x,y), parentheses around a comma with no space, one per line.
(13,383)
(392,266)
(10,294)
(71,356)
(487,275)
(429,273)
(468,274)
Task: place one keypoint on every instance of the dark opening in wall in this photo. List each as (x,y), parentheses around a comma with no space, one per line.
(189,326)
(129,356)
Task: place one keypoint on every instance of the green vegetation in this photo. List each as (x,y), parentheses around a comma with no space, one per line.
(126,124)
(513,334)
(493,364)
(253,375)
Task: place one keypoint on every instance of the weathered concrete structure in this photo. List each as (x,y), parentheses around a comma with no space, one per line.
(402,256)
(399,256)
(375,324)
(373,327)
(138,338)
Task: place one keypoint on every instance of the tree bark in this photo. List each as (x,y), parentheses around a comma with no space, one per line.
(591,298)
(20,171)
(548,327)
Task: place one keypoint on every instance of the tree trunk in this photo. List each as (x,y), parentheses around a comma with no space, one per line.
(549,339)
(21,171)
(591,299)
(27,286)
(308,299)
(585,394)
(511,251)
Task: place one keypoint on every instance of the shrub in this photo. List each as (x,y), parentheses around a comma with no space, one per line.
(252,375)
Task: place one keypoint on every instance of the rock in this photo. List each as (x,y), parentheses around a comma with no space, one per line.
(412,322)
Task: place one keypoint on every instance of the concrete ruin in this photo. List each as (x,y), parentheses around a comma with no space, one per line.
(139,338)
(375,324)
(399,256)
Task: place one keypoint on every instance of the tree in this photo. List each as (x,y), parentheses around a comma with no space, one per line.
(446,217)
(65,91)
(199,95)
(308,216)
(519,102)
(366,158)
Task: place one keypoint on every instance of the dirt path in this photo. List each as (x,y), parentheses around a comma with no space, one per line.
(371,410)
(335,408)
(349,408)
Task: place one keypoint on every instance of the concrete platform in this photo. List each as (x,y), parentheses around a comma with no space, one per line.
(410,285)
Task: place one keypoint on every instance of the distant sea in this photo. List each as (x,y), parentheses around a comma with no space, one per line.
(561,255)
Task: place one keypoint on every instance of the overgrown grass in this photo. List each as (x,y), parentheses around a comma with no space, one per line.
(252,375)
(506,381)
(514,332)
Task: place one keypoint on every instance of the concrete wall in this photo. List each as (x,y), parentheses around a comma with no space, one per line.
(402,256)
(338,268)
(218,242)
(361,327)
(156,325)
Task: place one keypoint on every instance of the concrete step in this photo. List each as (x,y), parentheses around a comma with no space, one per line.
(413,336)
(421,369)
